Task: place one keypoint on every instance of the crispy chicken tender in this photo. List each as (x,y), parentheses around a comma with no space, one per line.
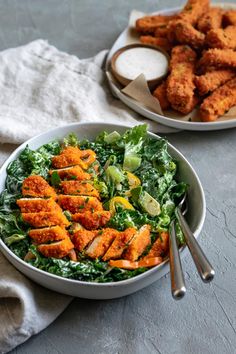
(138,243)
(82,238)
(159,42)
(36,186)
(160,247)
(43,219)
(75,173)
(101,243)
(184,33)
(148,24)
(48,234)
(71,156)
(212,19)
(218,58)
(34,205)
(222,38)
(68,157)
(119,244)
(180,83)
(193,10)
(80,203)
(212,79)
(219,102)
(229,18)
(79,188)
(92,220)
(58,249)
(161,95)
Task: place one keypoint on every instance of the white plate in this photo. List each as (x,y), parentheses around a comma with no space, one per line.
(133,104)
(196,216)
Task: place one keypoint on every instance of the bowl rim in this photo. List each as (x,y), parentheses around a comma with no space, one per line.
(149,272)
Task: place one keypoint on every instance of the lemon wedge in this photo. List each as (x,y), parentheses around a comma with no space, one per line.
(119,201)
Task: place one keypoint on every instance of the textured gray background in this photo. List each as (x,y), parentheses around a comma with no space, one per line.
(148,321)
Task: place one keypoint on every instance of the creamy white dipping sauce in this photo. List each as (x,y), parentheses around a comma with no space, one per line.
(135,61)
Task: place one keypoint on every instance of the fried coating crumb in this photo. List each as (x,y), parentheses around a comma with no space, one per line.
(138,244)
(219,102)
(82,238)
(180,83)
(94,220)
(160,246)
(119,244)
(58,249)
(229,18)
(184,33)
(36,186)
(34,205)
(218,58)
(79,188)
(212,19)
(148,24)
(222,38)
(159,42)
(68,157)
(213,79)
(79,204)
(48,234)
(161,95)
(75,173)
(101,243)
(193,10)
(43,219)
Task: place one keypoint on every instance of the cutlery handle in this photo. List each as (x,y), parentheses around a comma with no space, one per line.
(178,288)
(204,267)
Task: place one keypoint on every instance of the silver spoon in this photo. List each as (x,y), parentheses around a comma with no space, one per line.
(203,265)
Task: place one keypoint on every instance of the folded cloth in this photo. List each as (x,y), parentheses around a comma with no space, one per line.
(25,308)
(42,88)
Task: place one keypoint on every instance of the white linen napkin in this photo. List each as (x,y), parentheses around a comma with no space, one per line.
(42,88)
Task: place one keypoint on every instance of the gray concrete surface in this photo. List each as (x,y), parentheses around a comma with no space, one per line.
(149,321)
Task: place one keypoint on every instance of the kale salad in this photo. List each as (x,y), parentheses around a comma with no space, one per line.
(95,211)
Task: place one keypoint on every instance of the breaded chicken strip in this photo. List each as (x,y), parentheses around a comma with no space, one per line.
(160,246)
(94,220)
(184,33)
(79,188)
(48,234)
(161,95)
(229,18)
(148,24)
(71,156)
(75,173)
(43,219)
(36,186)
(79,204)
(219,102)
(58,249)
(119,244)
(138,243)
(212,19)
(101,243)
(180,83)
(218,58)
(222,38)
(82,238)
(34,205)
(193,10)
(212,79)
(159,42)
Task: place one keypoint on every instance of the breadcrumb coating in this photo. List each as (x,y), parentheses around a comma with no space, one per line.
(148,24)
(211,80)
(75,173)
(43,219)
(37,186)
(82,238)
(92,220)
(219,102)
(156,41)
(101,243)
(48,234)
(119,244)
(218,58)
(58,249)
(161,94)
(160,247)
(34,205)
(79,188)
(185,33)
(229,18)
(212,19)
(222,38)
(79,204)
(193,10)
(138,243)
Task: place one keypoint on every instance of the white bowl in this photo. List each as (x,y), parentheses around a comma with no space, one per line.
(196,216)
